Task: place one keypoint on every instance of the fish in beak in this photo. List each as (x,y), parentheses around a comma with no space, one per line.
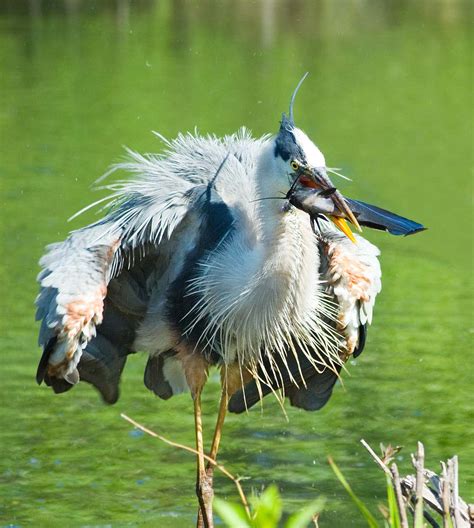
(316,202)
(318,179)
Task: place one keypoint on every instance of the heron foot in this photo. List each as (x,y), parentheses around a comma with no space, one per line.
(205,495)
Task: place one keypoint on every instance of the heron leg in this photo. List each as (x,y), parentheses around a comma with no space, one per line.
(207,482)
(204,489)
(231,379)
(206,479)
(216,440)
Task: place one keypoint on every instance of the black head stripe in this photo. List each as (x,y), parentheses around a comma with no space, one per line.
(285,143)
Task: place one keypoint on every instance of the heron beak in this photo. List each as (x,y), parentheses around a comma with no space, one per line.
(341,224)
(318,179)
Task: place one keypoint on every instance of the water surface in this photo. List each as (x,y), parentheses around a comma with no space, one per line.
(388,100)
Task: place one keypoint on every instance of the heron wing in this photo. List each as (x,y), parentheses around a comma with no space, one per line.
(94,287)
(71,300)
(353,277)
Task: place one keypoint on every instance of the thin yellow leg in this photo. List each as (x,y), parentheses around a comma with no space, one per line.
(204,492)
(209,474)
(231,380)
(204,487)
(198,429)
(216,440)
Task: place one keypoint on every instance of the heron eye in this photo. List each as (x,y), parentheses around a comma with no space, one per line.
(294,165)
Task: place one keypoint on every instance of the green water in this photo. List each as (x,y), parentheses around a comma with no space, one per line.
(388,100)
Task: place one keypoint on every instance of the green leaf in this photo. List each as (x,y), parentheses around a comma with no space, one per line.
(267,508)
(392,505)
(371,521)
(233,515)
(302,518)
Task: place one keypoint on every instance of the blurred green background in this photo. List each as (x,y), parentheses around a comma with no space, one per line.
(389,99)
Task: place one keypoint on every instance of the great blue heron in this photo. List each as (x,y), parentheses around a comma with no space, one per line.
(197,264)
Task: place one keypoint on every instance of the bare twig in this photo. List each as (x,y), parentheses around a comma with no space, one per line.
(455,490)
(377,459)
(220,467)
(398,494)
(445,492)
(418,463)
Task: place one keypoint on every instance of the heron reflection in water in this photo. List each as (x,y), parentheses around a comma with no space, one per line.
(199,265)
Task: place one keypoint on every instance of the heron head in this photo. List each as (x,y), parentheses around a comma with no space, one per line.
(293,150)
(300,162)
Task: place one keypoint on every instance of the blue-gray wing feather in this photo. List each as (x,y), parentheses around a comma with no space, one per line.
(99,280)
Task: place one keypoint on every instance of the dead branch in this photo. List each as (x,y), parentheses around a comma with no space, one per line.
(427,495)
(418,463)
(377,459)
(398,494)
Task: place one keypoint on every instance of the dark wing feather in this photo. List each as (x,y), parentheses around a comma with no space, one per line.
(104,358)
(317,392)
(292,377)
(155,379)
(362,340)
(43,363)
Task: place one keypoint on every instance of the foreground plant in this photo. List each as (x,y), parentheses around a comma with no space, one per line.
(432,500)
(266,512)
